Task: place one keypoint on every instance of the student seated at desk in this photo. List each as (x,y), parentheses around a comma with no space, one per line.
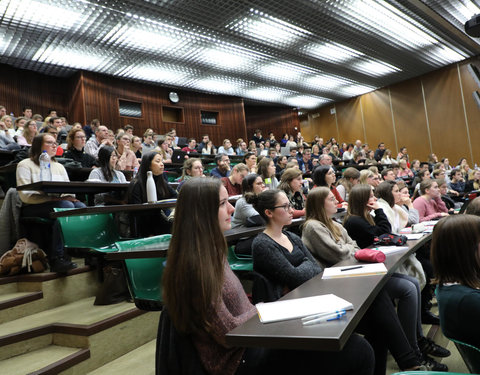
(76,148)
(36,203)
(192,167)
(266,169)
(324,175)
(429,204)
(455,258)
(107,160)
(153,222)
(233,183)
(292,185)
(205,299)
(283,259)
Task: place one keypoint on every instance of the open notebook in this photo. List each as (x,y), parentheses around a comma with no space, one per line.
(300,307)
(354,270)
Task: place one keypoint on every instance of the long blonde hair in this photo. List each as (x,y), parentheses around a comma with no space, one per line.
(315,210)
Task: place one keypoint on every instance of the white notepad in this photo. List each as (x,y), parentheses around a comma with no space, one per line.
(354,270)
(300,307)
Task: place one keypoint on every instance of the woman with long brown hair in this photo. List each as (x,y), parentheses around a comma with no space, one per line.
(205,299)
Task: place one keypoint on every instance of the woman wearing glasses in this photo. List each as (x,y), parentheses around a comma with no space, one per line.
(292,185)
(127,160)
(282,258)
(75,148)
(37,203)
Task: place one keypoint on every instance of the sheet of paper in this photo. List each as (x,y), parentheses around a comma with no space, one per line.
(300,307)
(390,249)
(353,270)
(414,236)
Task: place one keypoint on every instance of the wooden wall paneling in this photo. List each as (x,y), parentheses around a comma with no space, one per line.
(279,120)
(20,87)
(410,120)
(322,123)
(76,100)
(472,110)
(446,114)
(377,117)
(102,92)
(350,123)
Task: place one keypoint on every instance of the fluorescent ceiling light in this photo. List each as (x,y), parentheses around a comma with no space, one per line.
(375,68)
(326,82)
(382,18)
(72,58)
(446,55)
(223,59)
(135,38)
(218,85)
(263,27)
(334,52)
(304,101)
(464,10)
(40,13)
(282,72)
(269,94)
(355,90)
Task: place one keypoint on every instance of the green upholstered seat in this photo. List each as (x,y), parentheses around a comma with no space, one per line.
(239,262)
(97,232)
(144,275)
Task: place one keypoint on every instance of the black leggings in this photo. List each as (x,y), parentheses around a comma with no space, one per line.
(356,358)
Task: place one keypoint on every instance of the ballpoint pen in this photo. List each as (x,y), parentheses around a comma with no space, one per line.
(321,315)
(326,318)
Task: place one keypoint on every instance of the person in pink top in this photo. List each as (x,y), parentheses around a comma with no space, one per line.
(430,205)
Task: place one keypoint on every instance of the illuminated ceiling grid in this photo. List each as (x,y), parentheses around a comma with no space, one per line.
(302,53)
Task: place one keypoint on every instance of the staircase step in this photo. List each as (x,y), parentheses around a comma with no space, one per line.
(51,290)
(138,361)
(18,298)
(79,318)
(51,359)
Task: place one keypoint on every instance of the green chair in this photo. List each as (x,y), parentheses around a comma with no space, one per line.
(96,232)
(239,262)
(428,373)
(470,355)
(144,276)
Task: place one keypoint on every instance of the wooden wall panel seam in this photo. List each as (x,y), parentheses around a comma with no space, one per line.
(393,119)
(426,116)
(336,123)
(465,113)
(363,121)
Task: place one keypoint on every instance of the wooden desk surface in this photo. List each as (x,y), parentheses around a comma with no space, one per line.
(329,337)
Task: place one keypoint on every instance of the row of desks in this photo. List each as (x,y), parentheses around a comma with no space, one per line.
(330,336)
(288,334)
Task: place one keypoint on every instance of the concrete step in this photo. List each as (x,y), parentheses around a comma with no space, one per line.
(25,295)
(51,359)
(107,331)
(138,361)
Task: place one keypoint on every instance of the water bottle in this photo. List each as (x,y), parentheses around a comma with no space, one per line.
(135,171)
(151,188)
(268,183)
(45,171)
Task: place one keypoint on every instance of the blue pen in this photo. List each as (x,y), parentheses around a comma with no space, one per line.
(320,315)
(326,318)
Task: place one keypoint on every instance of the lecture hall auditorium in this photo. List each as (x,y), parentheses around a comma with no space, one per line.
(398,72)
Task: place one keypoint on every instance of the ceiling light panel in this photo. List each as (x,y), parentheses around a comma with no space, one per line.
(260,26)
(309,52)
(308,102)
